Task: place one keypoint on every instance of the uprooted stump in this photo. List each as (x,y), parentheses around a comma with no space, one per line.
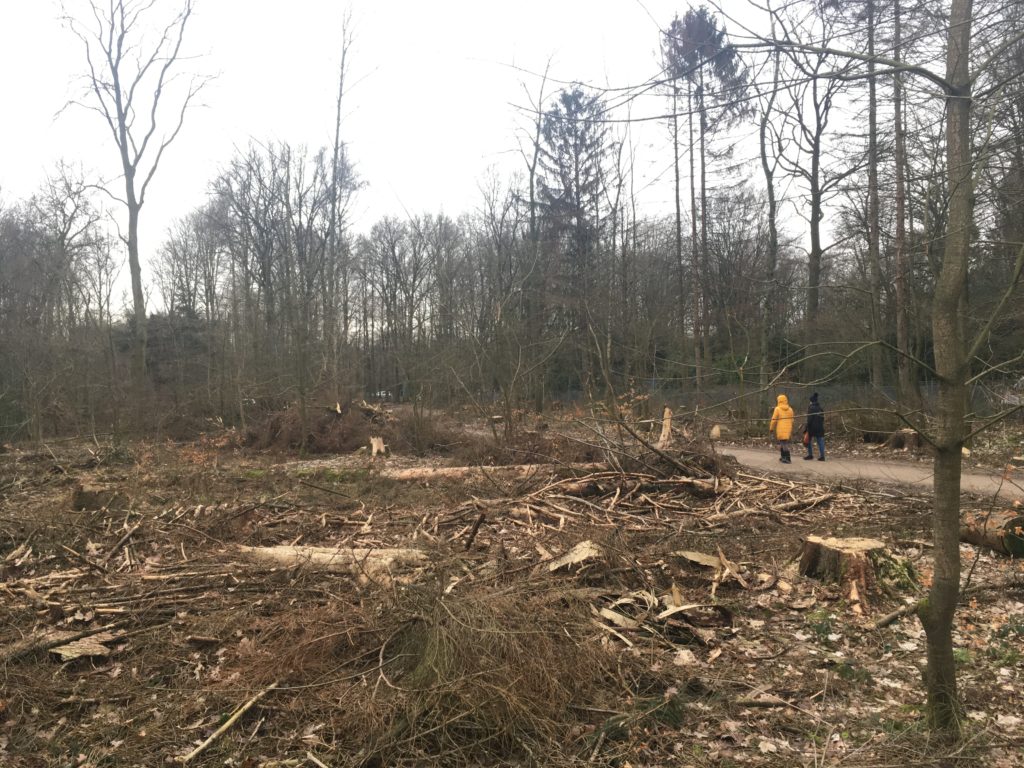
(1001,531)
(843,561)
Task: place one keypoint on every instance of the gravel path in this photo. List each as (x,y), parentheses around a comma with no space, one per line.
(901,473)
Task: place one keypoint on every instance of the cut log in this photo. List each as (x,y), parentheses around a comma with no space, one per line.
(1001,531)
(344,560)
(842,561)
(435,473)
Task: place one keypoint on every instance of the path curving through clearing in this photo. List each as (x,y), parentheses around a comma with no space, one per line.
(917,476)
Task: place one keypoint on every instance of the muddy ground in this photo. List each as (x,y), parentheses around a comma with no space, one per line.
(561,614)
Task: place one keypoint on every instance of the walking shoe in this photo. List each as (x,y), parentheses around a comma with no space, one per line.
(808,457)
(821,458)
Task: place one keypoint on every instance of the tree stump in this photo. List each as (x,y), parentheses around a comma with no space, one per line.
(843,561)
(377,446)
(89,498)
(1001,531)
(904,439)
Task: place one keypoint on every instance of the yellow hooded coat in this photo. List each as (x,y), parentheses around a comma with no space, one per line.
(782,420)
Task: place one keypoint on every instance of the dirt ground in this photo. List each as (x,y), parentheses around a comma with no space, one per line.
(559,614)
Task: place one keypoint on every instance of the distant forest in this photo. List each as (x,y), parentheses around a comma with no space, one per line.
(819,265)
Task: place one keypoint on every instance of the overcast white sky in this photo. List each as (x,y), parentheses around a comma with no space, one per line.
(429,111)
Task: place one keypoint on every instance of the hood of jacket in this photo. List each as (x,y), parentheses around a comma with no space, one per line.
(783,400)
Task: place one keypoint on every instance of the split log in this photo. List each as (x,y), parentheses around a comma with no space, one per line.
(842,561)
(343,560)
(1001,531)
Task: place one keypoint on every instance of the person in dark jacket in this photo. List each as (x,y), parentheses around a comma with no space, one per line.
(815,429)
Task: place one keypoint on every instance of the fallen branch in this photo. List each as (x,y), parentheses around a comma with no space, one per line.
(472,533)
(899,613)
(91,563)
(325,490)
(791,506)
(120,542)
(227,725)
(430,473)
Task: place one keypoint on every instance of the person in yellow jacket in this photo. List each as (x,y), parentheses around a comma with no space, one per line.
(782,425)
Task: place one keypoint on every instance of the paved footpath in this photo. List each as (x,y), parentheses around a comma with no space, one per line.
(915,475)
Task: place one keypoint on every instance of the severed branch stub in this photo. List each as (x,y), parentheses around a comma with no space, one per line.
(848,562)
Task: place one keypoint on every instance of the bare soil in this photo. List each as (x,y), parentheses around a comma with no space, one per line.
(641,617)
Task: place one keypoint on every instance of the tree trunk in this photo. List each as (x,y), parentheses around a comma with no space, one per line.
(679,213)
(906,373)
(772,254)
(814,257)
(937,611)
(874,259)
(694,260)
(702,276)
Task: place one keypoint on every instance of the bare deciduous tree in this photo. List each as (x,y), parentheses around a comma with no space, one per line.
(131,83)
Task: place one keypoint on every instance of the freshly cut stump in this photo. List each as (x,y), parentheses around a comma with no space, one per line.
(842,561)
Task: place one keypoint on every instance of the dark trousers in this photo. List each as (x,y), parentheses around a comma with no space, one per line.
(820,440)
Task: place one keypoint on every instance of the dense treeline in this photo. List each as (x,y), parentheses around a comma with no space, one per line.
(806,239)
